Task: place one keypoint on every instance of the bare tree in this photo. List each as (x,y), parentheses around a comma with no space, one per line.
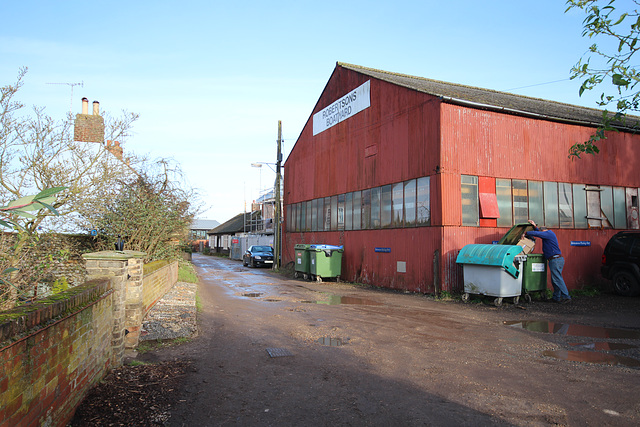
(38,153)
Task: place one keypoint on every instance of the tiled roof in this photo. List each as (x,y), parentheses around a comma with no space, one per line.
(492,100)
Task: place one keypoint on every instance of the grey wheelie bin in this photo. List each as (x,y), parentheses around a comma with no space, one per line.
(492,270)
(325,261)
(302,261)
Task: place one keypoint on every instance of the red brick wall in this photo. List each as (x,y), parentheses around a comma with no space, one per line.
(52,353)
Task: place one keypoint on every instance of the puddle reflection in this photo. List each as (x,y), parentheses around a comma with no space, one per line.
(602,346)
(331,342)
(573,330)
(252,294)
(592,357)
(338,300)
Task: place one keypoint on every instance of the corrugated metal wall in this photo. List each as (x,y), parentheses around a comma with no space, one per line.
(486,143)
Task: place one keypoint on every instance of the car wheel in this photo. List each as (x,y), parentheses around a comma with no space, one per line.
(244,262)
(626,284)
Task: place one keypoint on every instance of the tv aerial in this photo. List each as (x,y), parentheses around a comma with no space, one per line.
(81,84)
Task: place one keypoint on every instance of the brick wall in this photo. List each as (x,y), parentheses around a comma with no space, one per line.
(143,295)
(53,351)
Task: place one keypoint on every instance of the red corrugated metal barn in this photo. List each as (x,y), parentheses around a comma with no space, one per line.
(405,171)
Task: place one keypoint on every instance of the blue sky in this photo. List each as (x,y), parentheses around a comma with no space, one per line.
(211,79)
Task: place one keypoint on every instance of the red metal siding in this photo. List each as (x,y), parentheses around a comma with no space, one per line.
(414,246)
(485,143)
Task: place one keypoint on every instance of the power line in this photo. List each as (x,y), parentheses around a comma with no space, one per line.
(534,85)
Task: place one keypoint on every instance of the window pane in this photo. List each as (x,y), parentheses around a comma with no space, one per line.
(579,206)
(314,215)
(397,202)
(348,211)
(469,189)
(366,209)
(423,201)
(302,211)
(410,203)
(503,194)
(308,220)
(536,203)
(375,207)
(296,219)
(386,207)
(619,207)
(606,201)
(565,208)
(551,204)
(288,217)
(320,226)
(340,211)
(327,214)
(334,213)
(357,210)
(520,201)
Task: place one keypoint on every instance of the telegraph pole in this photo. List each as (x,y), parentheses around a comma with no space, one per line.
(278,231)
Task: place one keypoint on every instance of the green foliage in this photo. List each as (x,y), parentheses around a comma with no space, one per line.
(151,213)
(587,291)
(187,273)
(60,284)
(444,296)
(608,22)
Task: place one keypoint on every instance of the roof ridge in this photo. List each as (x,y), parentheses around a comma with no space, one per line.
(391,73)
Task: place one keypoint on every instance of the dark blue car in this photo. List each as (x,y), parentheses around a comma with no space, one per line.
(257,256)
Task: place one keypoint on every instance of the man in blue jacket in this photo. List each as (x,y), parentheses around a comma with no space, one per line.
(551,252)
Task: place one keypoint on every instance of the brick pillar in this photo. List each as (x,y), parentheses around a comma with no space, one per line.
(123,268)
(134,304)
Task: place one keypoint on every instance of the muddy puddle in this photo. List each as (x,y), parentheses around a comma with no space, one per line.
(573,330)
(589,352)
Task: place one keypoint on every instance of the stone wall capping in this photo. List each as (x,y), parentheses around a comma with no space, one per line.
(114,255)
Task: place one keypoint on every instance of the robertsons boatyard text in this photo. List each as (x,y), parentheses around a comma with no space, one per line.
(350,104)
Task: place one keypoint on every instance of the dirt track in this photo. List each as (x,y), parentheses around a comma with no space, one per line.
(404,359)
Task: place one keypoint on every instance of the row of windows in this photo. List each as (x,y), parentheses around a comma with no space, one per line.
(554,204)
(403,204)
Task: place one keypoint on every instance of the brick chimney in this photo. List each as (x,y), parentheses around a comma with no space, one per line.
(89,127)
(115,149)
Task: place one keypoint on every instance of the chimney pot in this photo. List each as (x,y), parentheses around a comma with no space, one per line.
(96,108)
(85,106)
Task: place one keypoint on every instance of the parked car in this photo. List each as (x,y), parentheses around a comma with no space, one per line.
(621,262)
(257,256)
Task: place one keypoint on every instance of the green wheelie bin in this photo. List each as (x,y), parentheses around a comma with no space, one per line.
(534,278)
(325,261)
(534,268)
(302,261)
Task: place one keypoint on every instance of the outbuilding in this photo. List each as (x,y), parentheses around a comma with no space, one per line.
(404,171)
